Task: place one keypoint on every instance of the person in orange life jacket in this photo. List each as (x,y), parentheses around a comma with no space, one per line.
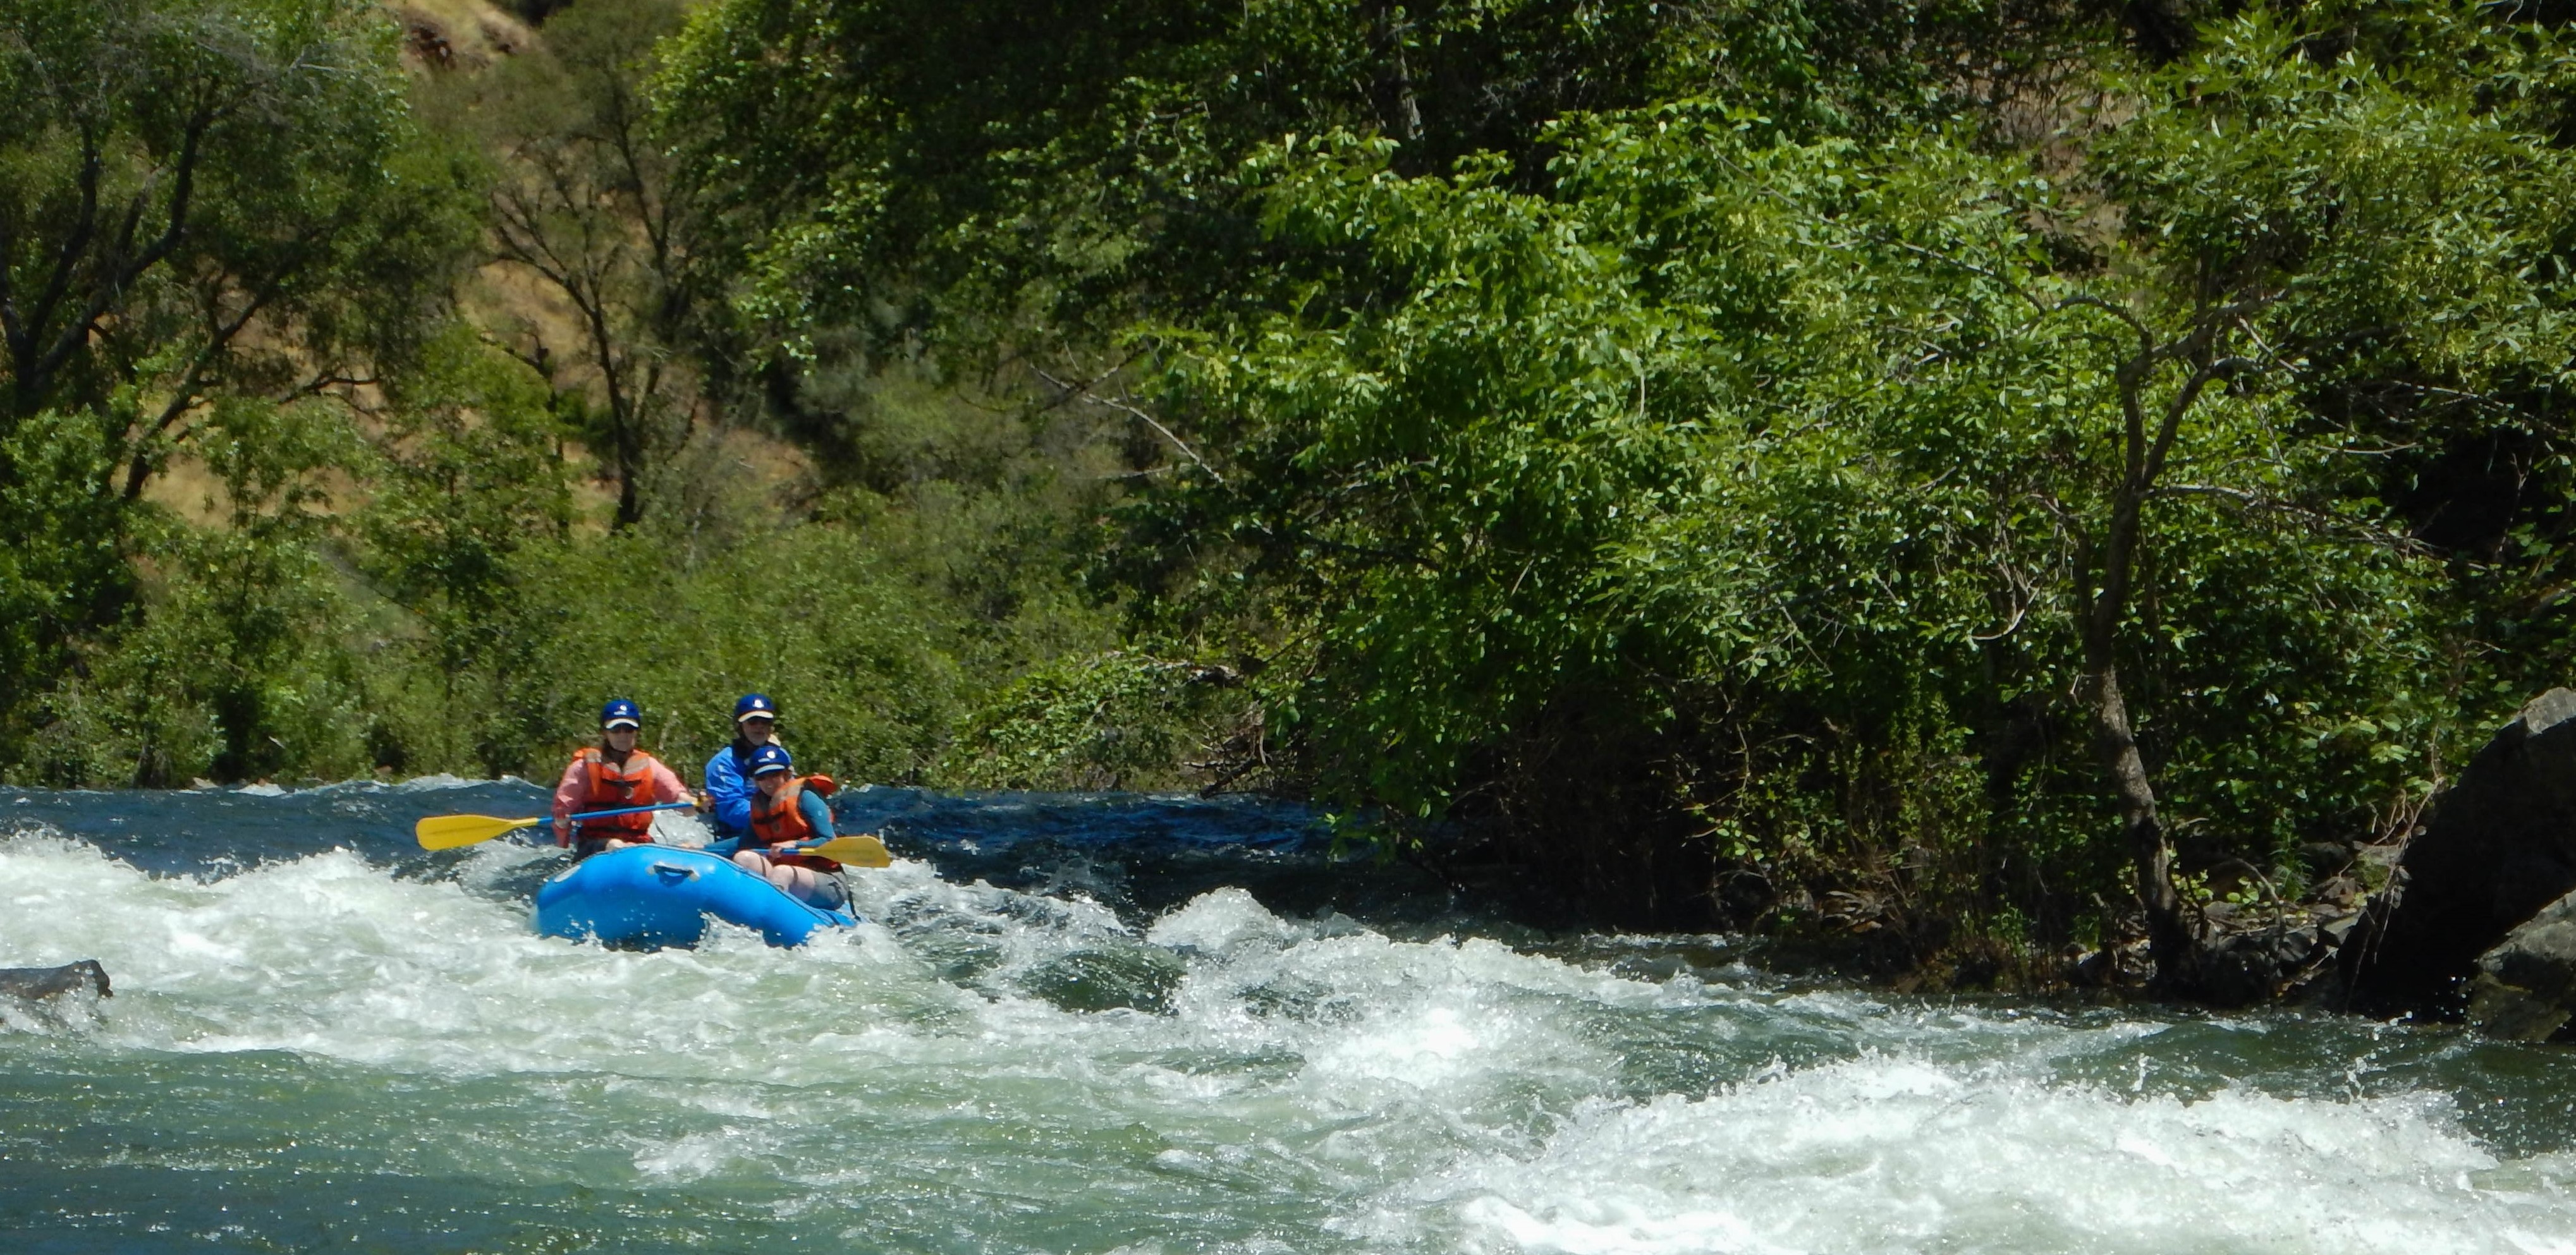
(788,809)
(613,775)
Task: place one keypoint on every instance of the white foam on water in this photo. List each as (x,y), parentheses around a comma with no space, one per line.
(699,1156)
(681,829)
(1887,1154)
(67,1013)
(1400,1096)
(329,956)
(1222,920)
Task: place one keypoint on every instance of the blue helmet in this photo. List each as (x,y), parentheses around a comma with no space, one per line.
(769,758)
(620,713)
(754,704)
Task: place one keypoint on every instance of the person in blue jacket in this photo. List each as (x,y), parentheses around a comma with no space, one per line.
(728,777)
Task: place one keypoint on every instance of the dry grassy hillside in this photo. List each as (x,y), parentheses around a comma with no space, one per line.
(512,306)
(458,34)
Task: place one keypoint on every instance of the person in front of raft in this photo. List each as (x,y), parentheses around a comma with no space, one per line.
(728,776)
(613,775)
(787,809)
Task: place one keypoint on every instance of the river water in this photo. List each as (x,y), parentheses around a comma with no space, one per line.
(1130,1025)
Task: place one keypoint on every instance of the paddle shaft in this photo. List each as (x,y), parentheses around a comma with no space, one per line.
(627,810)
(448,832)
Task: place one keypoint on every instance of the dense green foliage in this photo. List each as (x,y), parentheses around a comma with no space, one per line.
(313,365)
(997,178)
(211,214)
(1878,462)
(1915,471)
(1945,487)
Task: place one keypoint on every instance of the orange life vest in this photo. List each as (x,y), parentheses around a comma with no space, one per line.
(612,788)
(779,821)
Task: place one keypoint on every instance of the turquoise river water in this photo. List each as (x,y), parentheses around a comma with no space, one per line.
(1131,1026)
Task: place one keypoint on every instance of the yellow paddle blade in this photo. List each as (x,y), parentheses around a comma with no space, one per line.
(863,851)
(446,832)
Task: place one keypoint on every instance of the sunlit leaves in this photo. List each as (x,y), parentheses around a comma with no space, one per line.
(1823,439)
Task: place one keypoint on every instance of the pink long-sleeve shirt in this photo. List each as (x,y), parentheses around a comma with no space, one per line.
(575,787)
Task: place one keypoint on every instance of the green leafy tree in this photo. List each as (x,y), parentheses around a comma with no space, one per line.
(583,202)
(202,203)
(468,474)
(2360,215)
(861,666)
(1829,449)
(236,668)
(1017,183)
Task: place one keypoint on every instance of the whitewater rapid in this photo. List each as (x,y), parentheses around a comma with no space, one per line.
(988,1069)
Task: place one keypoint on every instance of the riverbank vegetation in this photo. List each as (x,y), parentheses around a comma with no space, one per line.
(1941,478)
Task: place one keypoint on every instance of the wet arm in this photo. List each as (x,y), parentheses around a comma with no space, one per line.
(568,797)
(666,784)
(817,813)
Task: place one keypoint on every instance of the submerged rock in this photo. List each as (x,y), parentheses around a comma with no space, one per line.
(35,984)
(2525,988)
(2498,846)
(2247,961)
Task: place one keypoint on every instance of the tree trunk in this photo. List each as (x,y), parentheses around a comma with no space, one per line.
(2171,941)
(2173,928)
(1399,109)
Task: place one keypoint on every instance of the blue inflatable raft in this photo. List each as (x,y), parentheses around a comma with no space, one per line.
(648,896)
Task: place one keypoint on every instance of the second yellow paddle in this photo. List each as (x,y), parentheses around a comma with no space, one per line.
(859,851)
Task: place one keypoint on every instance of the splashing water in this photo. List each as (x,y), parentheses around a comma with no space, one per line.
(1124,1025)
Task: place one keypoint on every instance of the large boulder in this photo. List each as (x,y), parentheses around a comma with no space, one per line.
(2497,847)
(2525,988)
(35,983)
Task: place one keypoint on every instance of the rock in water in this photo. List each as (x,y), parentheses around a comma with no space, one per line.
(2499,846)
(2525,988)
(37,983)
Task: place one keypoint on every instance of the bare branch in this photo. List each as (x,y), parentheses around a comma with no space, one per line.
(1149,420)
(127,265)
(2277,505)
(22,336)
(324,382)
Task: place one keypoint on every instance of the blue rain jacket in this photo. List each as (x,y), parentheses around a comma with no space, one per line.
(728,785)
